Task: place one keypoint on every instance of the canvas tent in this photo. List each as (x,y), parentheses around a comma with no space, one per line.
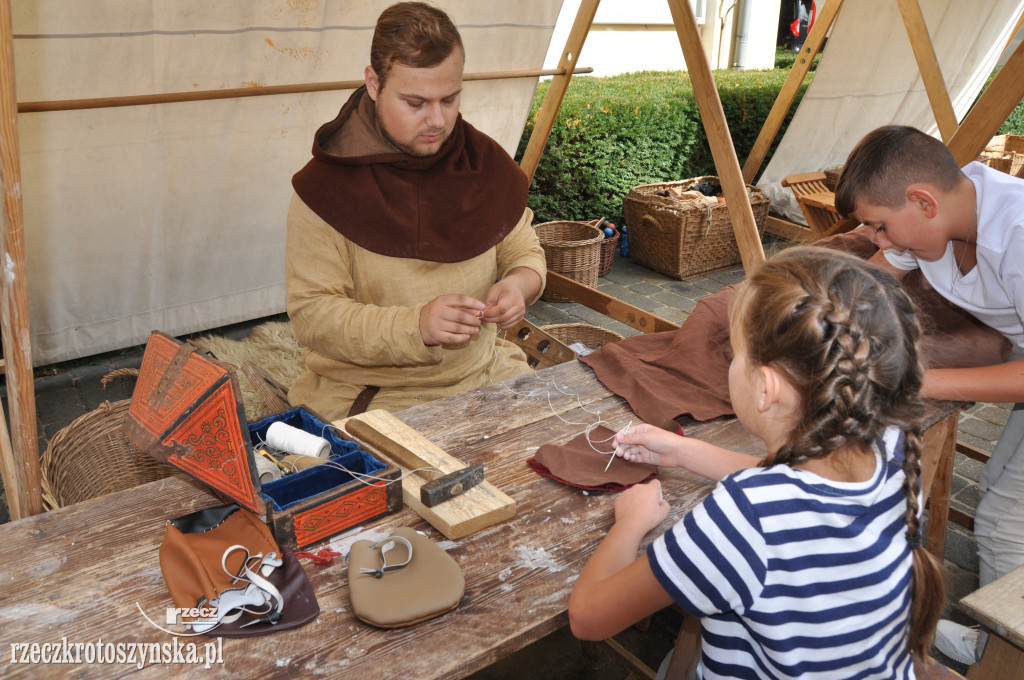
(137,215)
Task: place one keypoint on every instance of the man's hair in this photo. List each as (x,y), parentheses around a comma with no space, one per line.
(887,161)
(413,34)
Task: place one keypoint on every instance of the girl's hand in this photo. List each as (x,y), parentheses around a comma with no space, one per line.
(646,443)
(641,507)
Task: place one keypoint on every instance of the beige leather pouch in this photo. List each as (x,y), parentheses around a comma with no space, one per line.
(387,595)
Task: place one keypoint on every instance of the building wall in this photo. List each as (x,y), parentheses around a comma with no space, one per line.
(638,35)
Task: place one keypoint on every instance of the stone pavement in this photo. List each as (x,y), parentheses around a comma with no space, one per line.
(70,390)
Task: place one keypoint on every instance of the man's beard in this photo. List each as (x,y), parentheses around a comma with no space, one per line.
(412,151)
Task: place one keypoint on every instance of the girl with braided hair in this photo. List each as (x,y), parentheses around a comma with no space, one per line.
(808,563)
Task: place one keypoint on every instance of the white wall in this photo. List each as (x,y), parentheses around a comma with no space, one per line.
(638,35)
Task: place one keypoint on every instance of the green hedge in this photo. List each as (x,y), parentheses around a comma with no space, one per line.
(614,133)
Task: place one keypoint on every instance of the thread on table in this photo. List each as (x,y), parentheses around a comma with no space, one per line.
(548,385)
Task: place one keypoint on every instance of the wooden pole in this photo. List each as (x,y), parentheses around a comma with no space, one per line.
(235,93)
(928,65)
(19,459)
(556,90)
(717,129)
(787,94)
(991,110)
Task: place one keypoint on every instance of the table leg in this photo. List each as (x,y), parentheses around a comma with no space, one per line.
(1000,661)
(937,478)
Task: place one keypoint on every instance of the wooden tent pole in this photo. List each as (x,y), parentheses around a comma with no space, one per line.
(991,110)
(928,65)
(19,459)
(772,124)
(717,129)
(556,90)
(235,93)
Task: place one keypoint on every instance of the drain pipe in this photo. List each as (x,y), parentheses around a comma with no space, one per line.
(742,35)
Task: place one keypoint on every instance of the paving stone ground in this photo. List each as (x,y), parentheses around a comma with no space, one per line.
(72,389)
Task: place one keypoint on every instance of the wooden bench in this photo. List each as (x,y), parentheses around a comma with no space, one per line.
(818,204)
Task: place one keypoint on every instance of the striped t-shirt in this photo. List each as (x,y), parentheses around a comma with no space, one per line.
(795,576)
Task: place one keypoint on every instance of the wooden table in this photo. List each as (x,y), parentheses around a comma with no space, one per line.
(80,573)
(1000,607)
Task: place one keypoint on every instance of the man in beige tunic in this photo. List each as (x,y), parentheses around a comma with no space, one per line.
(410,246)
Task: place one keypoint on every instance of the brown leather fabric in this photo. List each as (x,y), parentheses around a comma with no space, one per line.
(362,400)
(667,375)
(577,463)
(429,586)
(448,207)
(190,560)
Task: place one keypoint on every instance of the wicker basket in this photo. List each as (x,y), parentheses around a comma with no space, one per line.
(1005,153)
(608,248)
(91,457)
(572,249)
(682,238)
(591,336)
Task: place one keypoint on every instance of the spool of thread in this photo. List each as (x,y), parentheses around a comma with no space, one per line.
(284,437)
(268,472)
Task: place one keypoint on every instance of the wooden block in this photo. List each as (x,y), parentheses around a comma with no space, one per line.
(477,508)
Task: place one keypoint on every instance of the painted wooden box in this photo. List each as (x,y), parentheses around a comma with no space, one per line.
(186,411)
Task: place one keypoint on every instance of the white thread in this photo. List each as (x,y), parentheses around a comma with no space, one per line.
(284,437)
(590,427)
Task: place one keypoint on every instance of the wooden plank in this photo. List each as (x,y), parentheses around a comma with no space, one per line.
(999,661)
(928,65)
(622,312)
(1000,606)
(791,231)
(717,129)
(19,449)
(264,91)
(556,90)
(939,444)
(477,508)
(991,110)
(815,39)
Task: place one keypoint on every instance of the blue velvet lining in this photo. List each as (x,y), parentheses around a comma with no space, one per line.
(304,484)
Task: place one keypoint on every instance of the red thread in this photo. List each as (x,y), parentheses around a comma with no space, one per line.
(323,558)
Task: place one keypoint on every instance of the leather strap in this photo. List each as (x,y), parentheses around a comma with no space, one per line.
(363,400)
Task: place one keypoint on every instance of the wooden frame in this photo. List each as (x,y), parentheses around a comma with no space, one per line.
(19,453)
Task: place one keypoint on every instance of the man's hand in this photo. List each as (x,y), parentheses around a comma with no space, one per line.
(506,300)
(450,319)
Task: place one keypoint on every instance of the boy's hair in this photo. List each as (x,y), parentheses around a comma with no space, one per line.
(887,161)
(845,335)
(413,34)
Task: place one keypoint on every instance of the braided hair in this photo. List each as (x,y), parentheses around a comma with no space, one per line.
(845,335)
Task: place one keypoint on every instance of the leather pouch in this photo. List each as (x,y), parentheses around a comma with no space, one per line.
(191,562)
(431,584)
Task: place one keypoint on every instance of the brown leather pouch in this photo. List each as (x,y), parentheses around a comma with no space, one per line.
(431,584)
(191,562)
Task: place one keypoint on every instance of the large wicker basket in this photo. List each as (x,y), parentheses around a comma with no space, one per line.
(1005,153)
(591,336)
(572,249)
(682,238)
(91,457)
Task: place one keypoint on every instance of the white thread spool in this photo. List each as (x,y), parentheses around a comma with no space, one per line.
(268,472)
(284,437)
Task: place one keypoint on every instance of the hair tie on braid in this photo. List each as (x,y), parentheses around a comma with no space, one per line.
(914,540)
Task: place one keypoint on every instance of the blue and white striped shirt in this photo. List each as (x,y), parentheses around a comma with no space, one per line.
(795,576)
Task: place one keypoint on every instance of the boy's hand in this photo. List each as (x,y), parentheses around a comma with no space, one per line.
(641,507)
(450,319)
